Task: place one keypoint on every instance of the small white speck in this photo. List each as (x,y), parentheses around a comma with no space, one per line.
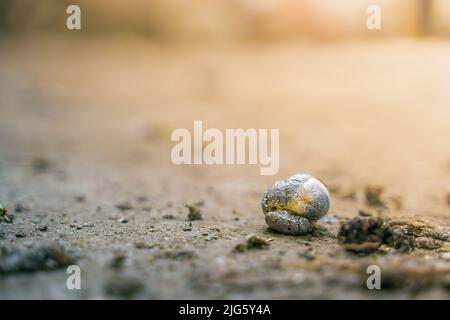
(299,278)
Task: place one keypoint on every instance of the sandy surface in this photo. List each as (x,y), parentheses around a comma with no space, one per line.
(100,113)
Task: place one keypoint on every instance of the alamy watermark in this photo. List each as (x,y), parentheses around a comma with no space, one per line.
(73,281)
(374,20)
(212,146)
(374,280)
(73,21)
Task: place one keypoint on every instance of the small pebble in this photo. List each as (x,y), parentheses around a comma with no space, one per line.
(41,165)
(365,213)
(21,208)
(252,241)
(142,199)
(194,213)
(374,195)
(118,261)
(187,227)
(307,255)
(80,198)
(124,206)
(142,245)
(330,219)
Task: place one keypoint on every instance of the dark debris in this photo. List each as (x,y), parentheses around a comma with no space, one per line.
(44,257)
(364,235)
(252,241)
(194,213)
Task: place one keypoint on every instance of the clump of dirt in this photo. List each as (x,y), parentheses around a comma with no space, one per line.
(123,286)
(187,227)
(45,257)
(368,213)
(147,245)
(177,254)
(401,242)
(308,255)
(373,195)
(419,228)
(252,241)
(41,165)
(80,199)
(362,234)
(194,213)
(366,234)
(124,206)
(118,261)
(428,243)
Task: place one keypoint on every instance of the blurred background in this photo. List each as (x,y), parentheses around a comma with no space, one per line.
(352,104)
(235,20)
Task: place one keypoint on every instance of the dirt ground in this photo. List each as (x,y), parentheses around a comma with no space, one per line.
(85,146)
